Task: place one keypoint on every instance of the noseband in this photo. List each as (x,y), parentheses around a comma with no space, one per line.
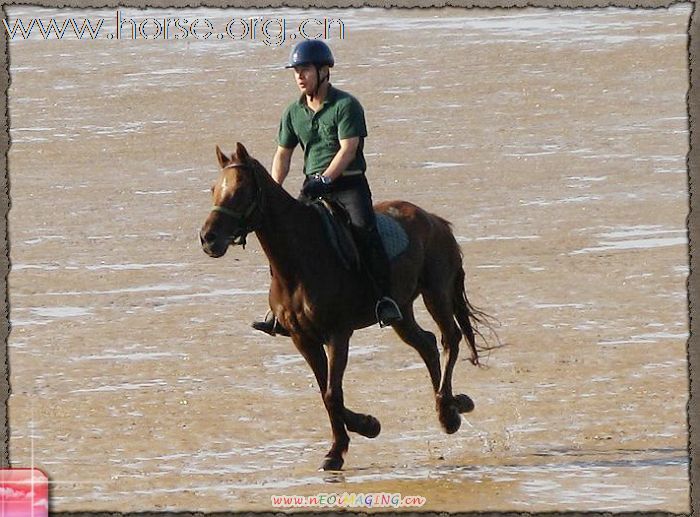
(242,218)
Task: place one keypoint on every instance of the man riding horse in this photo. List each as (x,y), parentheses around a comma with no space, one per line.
(329,124)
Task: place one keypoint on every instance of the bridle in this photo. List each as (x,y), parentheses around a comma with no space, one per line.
(243,218)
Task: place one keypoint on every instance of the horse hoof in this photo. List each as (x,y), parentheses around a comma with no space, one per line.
(332,464)
(450,419)
(452,426)
(464,403)
(372,428)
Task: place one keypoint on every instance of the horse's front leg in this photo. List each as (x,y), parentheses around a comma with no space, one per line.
(333,399)
(315,356)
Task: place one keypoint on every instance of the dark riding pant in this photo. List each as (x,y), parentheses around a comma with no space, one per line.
(353,193)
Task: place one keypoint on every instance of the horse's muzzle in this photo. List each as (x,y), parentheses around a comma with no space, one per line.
(212,244)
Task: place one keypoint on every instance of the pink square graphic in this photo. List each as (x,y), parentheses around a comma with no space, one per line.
(24,493)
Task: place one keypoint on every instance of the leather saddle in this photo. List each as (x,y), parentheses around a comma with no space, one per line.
(336,223)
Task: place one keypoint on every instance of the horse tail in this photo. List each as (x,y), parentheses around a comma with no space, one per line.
(469,318)
(464,315)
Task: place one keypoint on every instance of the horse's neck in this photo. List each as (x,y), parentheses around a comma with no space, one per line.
(286,226)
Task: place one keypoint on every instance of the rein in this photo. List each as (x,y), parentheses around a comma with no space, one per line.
(242,218)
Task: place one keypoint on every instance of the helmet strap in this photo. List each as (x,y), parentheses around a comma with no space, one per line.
(318,82)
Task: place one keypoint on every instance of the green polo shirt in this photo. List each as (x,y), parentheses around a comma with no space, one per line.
(341,116)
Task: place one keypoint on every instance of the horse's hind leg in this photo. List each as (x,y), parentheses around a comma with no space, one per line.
(423,341)
(440,306)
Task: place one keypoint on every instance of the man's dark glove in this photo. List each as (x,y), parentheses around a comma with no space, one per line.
(315,187)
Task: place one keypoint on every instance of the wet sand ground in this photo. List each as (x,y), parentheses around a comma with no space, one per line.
(554,141)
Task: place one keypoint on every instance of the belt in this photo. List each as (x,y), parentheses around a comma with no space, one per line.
(356,172)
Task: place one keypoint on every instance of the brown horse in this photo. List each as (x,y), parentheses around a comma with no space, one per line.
(321,302)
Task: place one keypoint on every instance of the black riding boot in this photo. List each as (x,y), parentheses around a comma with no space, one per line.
(379,270)
(270,325)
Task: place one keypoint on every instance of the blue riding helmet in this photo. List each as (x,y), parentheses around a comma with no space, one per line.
(311,52)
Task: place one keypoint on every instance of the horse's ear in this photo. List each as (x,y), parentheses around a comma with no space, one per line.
(223,160)
(242,153)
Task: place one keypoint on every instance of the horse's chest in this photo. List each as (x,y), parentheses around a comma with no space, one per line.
(297,309)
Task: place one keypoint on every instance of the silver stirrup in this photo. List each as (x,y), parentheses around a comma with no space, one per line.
(398,317)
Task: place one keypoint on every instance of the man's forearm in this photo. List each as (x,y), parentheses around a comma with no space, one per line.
(340,162)
(280,168)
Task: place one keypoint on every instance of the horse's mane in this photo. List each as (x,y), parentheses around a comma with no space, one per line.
(264,180)
(260,172)
(273,192)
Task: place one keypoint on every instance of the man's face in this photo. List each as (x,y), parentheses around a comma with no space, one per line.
(306,78)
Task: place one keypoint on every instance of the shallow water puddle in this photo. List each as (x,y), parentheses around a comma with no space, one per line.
(44,238)
(461,238)
(153,192)
(440,165)
(128,357)
(125,386)
(562,201)
(634,244)
(61,312)
(124,290)
(562,305)
(624,232)
(651,337)
(215,293)
(637,237)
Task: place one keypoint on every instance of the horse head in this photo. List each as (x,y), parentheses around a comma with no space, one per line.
(237,202)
